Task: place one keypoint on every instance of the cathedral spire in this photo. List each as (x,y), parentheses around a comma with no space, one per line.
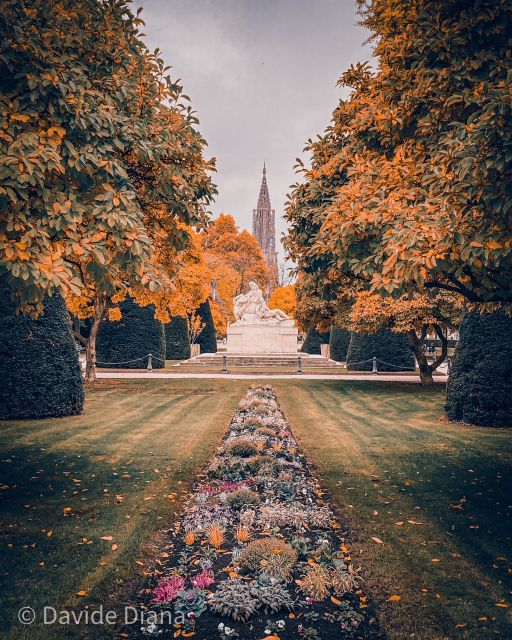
(264,198)
(264,228)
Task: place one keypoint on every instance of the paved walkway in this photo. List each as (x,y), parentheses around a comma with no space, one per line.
(263,376)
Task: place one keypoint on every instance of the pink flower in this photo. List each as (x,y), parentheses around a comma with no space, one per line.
(204,579)
(167,589)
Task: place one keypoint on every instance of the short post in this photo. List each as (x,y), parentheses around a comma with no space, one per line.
(374,365)
(299,365)
(224,364)
(150,363)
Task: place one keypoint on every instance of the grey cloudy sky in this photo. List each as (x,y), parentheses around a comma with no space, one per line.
(262,76)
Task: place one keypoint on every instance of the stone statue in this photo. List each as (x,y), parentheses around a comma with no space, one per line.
(251,308)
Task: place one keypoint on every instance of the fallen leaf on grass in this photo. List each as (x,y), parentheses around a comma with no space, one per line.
(394,598)
(335,600)
(501,604)
(106,538)
(399,524)
(114,547)
(377,540)
(436,560)
(81,593)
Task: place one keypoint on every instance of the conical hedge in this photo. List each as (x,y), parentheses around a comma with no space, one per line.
(313,340)
(339,340)
(207,338)
(480,384)
(176,339)
(129,341)
(41,374)
(391,350)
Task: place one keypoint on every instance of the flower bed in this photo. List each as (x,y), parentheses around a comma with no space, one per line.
(258,553)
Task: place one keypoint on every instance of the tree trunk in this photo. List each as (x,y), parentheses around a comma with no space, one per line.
(100,311)
(416,344)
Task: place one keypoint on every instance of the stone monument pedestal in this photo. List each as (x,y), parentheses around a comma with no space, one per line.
(254,338)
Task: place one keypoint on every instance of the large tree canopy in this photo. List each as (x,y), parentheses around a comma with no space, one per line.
(102,169)
(427,151)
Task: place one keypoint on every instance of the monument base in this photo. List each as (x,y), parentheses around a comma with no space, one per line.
(262,338)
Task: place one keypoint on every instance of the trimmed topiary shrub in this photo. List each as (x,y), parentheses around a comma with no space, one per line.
(391,349)
(339,340)
(130,339)
(41,374)
(177,346)
(480,384)
(314,339)
(207,338)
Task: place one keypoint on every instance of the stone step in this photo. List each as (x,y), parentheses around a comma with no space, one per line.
(233,360)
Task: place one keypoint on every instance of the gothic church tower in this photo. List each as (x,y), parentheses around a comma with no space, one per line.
(264,228)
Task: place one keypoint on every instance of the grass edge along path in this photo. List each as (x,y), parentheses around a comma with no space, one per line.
(427,503)
(84,496)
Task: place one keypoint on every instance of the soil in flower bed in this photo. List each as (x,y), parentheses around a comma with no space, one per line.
(257,553)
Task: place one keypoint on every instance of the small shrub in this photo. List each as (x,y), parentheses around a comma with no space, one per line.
(343,582)
(243,447)
(215,535)
(242,498)
(265,431)
(235,599)
(191,601)
(253,423)
(271,555)
(271,594)
(315,582)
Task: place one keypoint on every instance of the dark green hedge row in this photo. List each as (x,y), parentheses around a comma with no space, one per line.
(339,340)
(207,338)
(131,338)
(176,339)
(391,349)
(41,374)
(313,340)
(480,384)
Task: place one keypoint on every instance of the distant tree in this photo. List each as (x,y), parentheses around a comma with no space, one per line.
(391,350)
(206,338)
(480,383)
(177,346)
(339,340)
(41,374)
(240,250)
(128,341)
(284,298)
(313,340)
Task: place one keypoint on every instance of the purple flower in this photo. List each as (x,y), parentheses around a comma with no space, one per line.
(167,589)
(204,579)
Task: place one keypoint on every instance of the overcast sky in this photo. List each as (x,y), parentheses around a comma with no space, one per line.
(262,76)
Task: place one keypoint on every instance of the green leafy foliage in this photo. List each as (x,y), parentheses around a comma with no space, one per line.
(480,383)
(132,338)
(176,339)
(41,374)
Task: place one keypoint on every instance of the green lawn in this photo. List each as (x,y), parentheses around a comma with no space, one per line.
(381,449)
(438,496)
(113,468)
